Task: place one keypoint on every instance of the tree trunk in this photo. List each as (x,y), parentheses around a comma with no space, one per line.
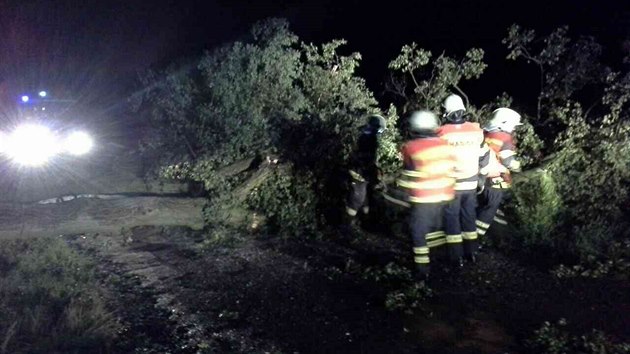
(96,215)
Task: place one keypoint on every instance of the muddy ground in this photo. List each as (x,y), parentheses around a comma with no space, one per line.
(260,294)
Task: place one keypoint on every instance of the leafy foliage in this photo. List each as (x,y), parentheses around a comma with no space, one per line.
(556,339)
(289,203)
(225,108)
(389,156)
(269,94)
(431,81)
(411,298)
(404,294)
(538,210)
(585,183)
(616,264)
(566,67)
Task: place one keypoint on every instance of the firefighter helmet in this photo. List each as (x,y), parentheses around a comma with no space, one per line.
(453,103)
(423,120)
(454,109)
(504,119)
(376,123)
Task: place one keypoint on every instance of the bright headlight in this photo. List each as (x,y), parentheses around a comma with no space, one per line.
(31,145)
(4,142)
(78,143)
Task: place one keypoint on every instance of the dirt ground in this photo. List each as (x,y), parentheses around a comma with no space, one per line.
(267,295)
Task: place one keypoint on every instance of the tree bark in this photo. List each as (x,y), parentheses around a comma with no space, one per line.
(98,215)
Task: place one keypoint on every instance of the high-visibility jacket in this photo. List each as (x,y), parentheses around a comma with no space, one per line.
(471,153)
(428,170)
(503,158)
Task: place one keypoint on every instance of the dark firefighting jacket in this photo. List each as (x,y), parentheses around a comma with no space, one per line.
(363,162)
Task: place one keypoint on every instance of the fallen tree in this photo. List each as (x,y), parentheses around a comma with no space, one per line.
(98,215)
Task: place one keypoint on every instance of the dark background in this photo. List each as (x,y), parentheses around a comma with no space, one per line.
(92,51)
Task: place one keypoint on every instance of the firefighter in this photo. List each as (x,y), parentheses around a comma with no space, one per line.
(472,157)
(427,177)
(498,137)
(364,171)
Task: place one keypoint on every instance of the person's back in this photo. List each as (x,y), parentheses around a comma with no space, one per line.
(363,168)
(425,169)
(466,139)
(364,159)
(427,179)
(498,137)
(471,155)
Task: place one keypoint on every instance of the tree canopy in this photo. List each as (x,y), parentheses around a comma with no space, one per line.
(272,94)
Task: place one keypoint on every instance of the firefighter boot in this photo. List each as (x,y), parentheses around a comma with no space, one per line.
(421,273)
(471,248)
(350,228)
(472,258)
(456,256)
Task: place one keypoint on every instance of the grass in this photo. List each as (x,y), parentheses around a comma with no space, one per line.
(50,301)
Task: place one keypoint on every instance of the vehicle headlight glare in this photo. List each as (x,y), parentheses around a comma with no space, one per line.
(78,143)
(31,145)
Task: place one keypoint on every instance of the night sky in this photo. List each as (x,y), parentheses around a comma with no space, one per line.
(93,49)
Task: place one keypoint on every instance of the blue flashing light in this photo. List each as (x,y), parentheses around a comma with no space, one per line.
(25,98)
(43,93)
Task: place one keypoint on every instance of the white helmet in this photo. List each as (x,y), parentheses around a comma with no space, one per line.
(423,120)
(453,103)
(504,119)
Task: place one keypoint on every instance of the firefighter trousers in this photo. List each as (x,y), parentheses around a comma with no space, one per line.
(358,198)
(423,218)
(489,201)
(459,225)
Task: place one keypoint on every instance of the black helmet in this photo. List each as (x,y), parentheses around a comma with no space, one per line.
(377,123)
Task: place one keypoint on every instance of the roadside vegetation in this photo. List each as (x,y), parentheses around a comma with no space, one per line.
(50,300)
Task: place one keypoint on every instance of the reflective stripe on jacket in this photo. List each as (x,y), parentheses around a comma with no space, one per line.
(495,168)
(428,169)
(504,159)
(471,154)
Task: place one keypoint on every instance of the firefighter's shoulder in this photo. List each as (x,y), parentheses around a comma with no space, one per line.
(499,138)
